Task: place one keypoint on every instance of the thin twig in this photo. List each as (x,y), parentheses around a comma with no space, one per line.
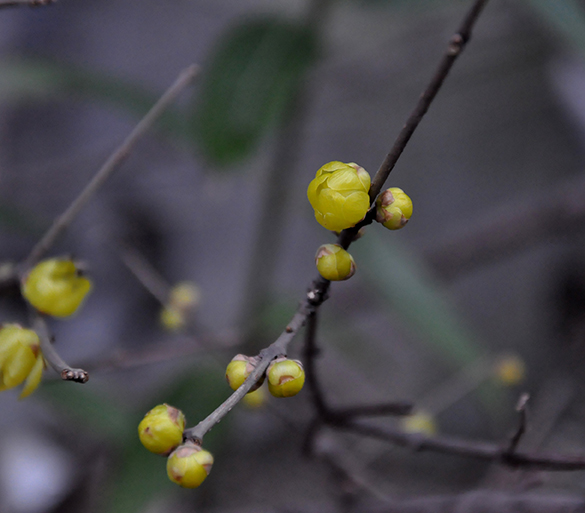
(67,372)
(146,274)
(114,161)
(25,3)
(456,46)
(310,353)
(521,409)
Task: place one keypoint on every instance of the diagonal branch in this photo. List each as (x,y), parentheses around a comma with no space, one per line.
(111,165)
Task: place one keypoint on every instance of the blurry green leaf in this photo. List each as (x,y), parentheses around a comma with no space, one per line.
(98,414)
(28,79)
(415,296)
(247,86)
(16,219)
(566,17)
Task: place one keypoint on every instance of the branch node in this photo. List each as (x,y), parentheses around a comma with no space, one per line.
(456,44)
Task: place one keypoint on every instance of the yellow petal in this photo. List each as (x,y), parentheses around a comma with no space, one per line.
(33,379)
(18,366)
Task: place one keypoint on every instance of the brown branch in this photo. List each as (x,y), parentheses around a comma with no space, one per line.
(51,355)
(456,46)
(470,449)
(111,165)
(319,291)
(315,296)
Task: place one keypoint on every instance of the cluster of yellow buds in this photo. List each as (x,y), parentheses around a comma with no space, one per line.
(339,195)
(161,432)
(184,298)
(21,359)
(56,287)
(285,377)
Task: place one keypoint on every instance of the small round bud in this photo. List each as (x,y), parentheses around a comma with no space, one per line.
(285,377)
(184,298)
(334,263)
(393,208)
(161,429)
(21,359)
(420,422)
(55,287)
(256,399)
(239,369)
(188,465)
(339,195)
(510,370)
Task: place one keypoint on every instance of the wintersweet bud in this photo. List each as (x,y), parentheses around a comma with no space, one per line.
(510,370)
(334,263)
(20,359)
(393,208)
(339,195)
(285,377)
(239,369)
(255,400)
(188,465)
(420,422)
(184,298)
(55,287)
(161,429)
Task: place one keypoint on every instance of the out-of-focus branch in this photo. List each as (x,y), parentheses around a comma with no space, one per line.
(111,165)
(486,501)
(507,229)
(470,449)
(25,3)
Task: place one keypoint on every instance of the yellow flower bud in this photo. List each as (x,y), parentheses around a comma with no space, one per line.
(339,195)
(189,465)
(55,287)
(420,422)
(256,399)
(184,298)
(239,369)
(510,370)
(334,263)
(393,208)
(285,377)
(161,429)
(20,359)
(185,295)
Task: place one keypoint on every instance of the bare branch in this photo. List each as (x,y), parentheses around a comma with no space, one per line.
(315,296)
(456,45)
(111,165)
(470,449)
(50,354)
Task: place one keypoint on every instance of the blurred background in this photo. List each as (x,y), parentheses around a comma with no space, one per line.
(481,297)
